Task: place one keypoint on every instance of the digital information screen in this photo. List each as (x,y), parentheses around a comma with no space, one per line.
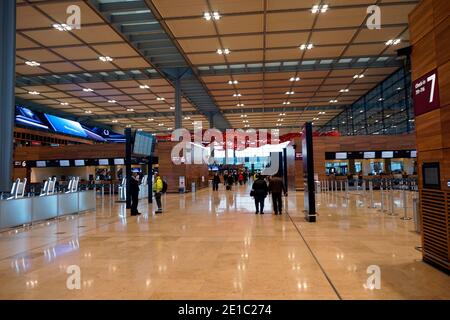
(369,155)
(103,162)
(119,162)
(41,164)
(387,154)
(414,154)
(64,163)
(66,126)
(143,143)
(79,163)
(341,155)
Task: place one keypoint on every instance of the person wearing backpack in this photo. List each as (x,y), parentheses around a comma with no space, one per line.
(158,188)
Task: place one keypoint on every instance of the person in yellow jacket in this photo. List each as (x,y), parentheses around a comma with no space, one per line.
(157,189)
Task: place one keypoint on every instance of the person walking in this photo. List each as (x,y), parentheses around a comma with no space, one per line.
(259,192)
(276,188)
(241,179)
(216,181)
(229,182)
(158,189)
(134,192)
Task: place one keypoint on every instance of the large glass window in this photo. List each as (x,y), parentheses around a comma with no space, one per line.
(386,109)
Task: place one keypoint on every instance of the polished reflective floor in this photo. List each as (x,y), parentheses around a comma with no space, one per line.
(211,245)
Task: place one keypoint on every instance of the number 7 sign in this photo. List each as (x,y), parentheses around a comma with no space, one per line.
(425,92)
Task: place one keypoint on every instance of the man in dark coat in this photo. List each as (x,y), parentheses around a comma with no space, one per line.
(216,181)
(259,191)
(276,188)
(134,191)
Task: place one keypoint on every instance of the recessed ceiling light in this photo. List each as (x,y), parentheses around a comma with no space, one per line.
(319,8)
(315,118)
(34,93)
(64,103)
(282,114)
(88,111)
(32,63)
(290,92)
(237,95)
(105,58)
(247,126)
(233,82)
(358,76)
(393,42)
(240,105)
(62,27)
(243,116)
(87,90)
(160,124)
(170,128)
(128,125)
(381,99)
(144,86)
(223,51)
(160,98)
(211,15)
(187,118)
(150,119)
(112,101)
(292,79)
(114,121)
(344,90)
(130,109)
(286,102)
(322,112)
(172,108)
(333,101)
(306,46)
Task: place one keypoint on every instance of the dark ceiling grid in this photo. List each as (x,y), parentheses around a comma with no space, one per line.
(345,28)
(335,7)
(216,29)
(308,40)
(161,52)
(365,69)
(348,44)
(84,79)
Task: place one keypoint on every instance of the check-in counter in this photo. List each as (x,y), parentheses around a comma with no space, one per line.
(17,212)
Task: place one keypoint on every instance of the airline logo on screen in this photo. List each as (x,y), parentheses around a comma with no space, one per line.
(426,93)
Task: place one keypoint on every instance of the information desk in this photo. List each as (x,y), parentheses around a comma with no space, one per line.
(17,212)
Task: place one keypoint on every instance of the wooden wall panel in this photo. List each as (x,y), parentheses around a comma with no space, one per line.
(421,21)
(171,172)
(424,56)
(70,152)
(432,128)
(429,126)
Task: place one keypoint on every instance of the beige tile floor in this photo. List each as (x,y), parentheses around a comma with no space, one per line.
(212,246)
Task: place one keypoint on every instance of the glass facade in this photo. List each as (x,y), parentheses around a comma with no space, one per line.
(387,109)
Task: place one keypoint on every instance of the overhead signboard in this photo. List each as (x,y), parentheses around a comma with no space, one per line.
(425,93)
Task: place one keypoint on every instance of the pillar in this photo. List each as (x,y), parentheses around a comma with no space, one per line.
(430,58)
(178,111)
(7,83)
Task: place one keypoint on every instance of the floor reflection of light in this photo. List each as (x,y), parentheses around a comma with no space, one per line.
(148,283)
(32,284)
(302,286)
(339,256)
(291,255)
(296,267)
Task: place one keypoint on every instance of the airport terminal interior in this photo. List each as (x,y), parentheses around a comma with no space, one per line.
(225,149)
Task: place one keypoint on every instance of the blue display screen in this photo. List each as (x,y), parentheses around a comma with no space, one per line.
(143,143)
(66,126)
(26,117)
